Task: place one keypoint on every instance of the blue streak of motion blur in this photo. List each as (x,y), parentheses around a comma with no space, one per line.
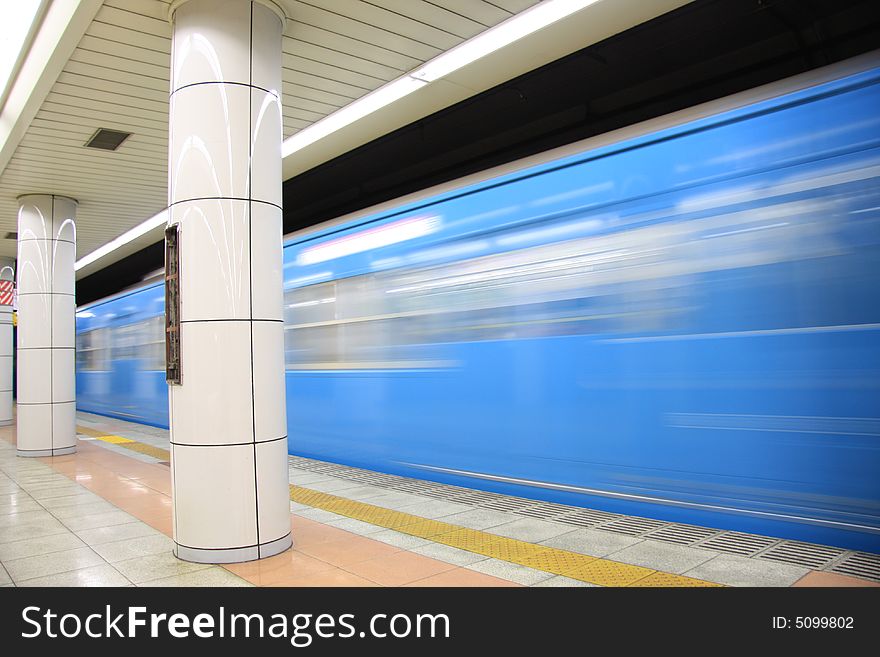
(683,325)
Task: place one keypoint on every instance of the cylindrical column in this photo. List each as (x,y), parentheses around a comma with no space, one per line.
(228,416)
(46,308)
(7,281)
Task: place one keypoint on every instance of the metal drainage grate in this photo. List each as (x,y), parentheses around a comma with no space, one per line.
(505,503)
(586,518)
(682,534)
(385,481)
(545,510)
(476,497)
(443,492)
(736,543)
(631,525)
(860,564)
(324,467)
(802,554)
(414,486)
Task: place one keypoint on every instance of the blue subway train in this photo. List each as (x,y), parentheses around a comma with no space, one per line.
(680,320)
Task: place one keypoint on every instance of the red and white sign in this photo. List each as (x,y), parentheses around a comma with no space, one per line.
(7,291)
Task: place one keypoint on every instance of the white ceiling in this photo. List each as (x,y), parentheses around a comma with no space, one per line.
(334,52)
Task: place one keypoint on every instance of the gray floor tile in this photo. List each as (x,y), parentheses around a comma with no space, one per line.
(395,500)
(105,519)
(25,518)
(134,547)
(510,571)
(78,510)
(5,579)
(560,581)
(481,518)
(307,481)
(77,499)
(398,539)
(57,491)
(101,575)
(429,508)
(356,526)
(42,482)
(734,570)
(333,485)
(50,564)
(100,535)
(31,530)
(319,515)
(214,576)
(41,545)
(156,566)
(593,542)
(37,474)
(531,530)
(20,506)
(665,557)
(449,554)
(362,493)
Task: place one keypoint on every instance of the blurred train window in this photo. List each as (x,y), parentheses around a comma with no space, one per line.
(311,334)
(92,350)
(142,341)
(126,340)
(663,272)
(154,351)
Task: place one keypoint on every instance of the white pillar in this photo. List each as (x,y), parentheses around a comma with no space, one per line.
(46,308)
(7,273)
(228,416)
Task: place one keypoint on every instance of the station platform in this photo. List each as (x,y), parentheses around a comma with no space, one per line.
(102,517)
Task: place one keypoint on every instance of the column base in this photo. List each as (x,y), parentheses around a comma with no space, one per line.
(61,451)
(233,555)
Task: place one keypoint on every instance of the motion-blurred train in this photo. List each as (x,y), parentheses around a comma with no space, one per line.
(678,320)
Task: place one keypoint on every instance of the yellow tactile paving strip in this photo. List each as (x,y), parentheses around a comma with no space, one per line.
(593,570)
(127,443)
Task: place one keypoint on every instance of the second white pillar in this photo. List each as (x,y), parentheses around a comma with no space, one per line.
(46,403)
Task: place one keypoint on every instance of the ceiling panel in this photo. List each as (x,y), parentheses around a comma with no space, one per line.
(335,51)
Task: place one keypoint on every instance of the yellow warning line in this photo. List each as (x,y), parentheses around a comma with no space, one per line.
(127,443)
(593,570)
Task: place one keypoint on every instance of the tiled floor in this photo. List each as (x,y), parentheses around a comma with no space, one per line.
(103,517)
(55,531)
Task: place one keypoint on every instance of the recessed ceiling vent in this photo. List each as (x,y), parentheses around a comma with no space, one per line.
(107,140)
(11,236)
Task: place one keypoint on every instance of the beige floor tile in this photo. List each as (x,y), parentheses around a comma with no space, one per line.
(113,533)
(41,545)
(101,575)
(32,530)
(51,564)
(156,566)
(131,548)
(105,519)
(213,576)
